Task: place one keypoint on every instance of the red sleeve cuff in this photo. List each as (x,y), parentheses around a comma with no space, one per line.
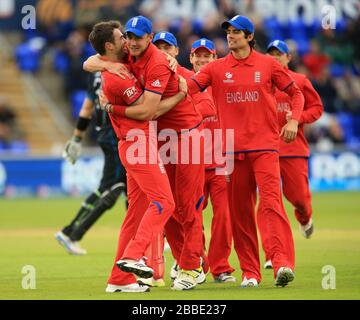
(119,111)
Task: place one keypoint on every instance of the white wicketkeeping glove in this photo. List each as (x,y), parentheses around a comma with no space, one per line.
(72,150)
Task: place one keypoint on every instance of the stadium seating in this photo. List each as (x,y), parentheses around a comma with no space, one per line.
(77,99)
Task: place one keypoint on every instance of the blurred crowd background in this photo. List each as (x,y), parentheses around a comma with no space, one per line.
(48,59)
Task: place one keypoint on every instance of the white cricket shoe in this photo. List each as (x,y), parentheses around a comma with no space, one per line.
(151,282)
(139,268)
(268,265)
(284,276)
(307,230)
(225,277)
(249,283)
(71,247)
(174,271)
(184,281)
(133,287)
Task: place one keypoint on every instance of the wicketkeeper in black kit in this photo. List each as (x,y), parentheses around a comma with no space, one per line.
(113,181)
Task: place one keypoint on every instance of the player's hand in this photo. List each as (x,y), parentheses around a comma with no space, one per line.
(289,131)
(102,100)
(172,62)
(119,69)
(288,116)
(183,85)
(72,150)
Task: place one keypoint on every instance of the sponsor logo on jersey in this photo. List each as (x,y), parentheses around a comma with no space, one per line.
(156,84)
(130,92)
(228,76)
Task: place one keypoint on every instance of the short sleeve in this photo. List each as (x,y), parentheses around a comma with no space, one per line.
(128,89)
(157,79)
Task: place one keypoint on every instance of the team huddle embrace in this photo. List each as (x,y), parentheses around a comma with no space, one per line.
(215,132)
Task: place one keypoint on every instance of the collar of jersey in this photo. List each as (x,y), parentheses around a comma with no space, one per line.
(144,59)
(249,61)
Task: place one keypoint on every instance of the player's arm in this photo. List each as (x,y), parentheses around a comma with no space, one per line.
(167,104)
(160,75)
(284,82)
(72,149)
(200,80)
(95,64)
(313,105)
(204,104)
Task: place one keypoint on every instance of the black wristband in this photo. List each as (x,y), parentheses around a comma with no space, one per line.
(82,123)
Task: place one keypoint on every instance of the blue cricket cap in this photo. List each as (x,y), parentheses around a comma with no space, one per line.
(239,23)
(139,26)
(168,37)
(203,43)
(280,45)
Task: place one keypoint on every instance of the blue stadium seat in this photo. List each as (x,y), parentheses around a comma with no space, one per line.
(346,122)
(28,59)
(273,28)
(337,70)
(61,61)
(77,99)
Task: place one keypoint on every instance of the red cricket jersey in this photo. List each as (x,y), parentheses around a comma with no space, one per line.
(243,91)
(204,103)
(205,106)
(155,75)
(313,109)
(122,92)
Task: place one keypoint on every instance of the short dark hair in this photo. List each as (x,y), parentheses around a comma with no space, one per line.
(101,33)
(252,43)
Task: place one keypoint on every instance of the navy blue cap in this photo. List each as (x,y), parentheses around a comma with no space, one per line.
(239,23)
(139,26)
(280,45)
(203,43)
(168,37)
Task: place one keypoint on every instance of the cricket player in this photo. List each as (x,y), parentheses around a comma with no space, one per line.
(294,157)
(243,86)
(113,181)
(150,198)
(167,42)
(203,52)
(150,66)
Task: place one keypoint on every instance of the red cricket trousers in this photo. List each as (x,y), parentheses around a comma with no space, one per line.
(251,171)
(295,185)
(151,204)
(186,176)
(221,233)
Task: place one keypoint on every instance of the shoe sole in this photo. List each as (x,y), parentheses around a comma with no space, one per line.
(309,232)
(154,284)
(284,278)
(128,291)
(183,289)
(140,273)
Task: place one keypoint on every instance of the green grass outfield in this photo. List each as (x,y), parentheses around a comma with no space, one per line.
(26,238)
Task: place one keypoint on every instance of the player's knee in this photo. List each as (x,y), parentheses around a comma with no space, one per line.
(111,196)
